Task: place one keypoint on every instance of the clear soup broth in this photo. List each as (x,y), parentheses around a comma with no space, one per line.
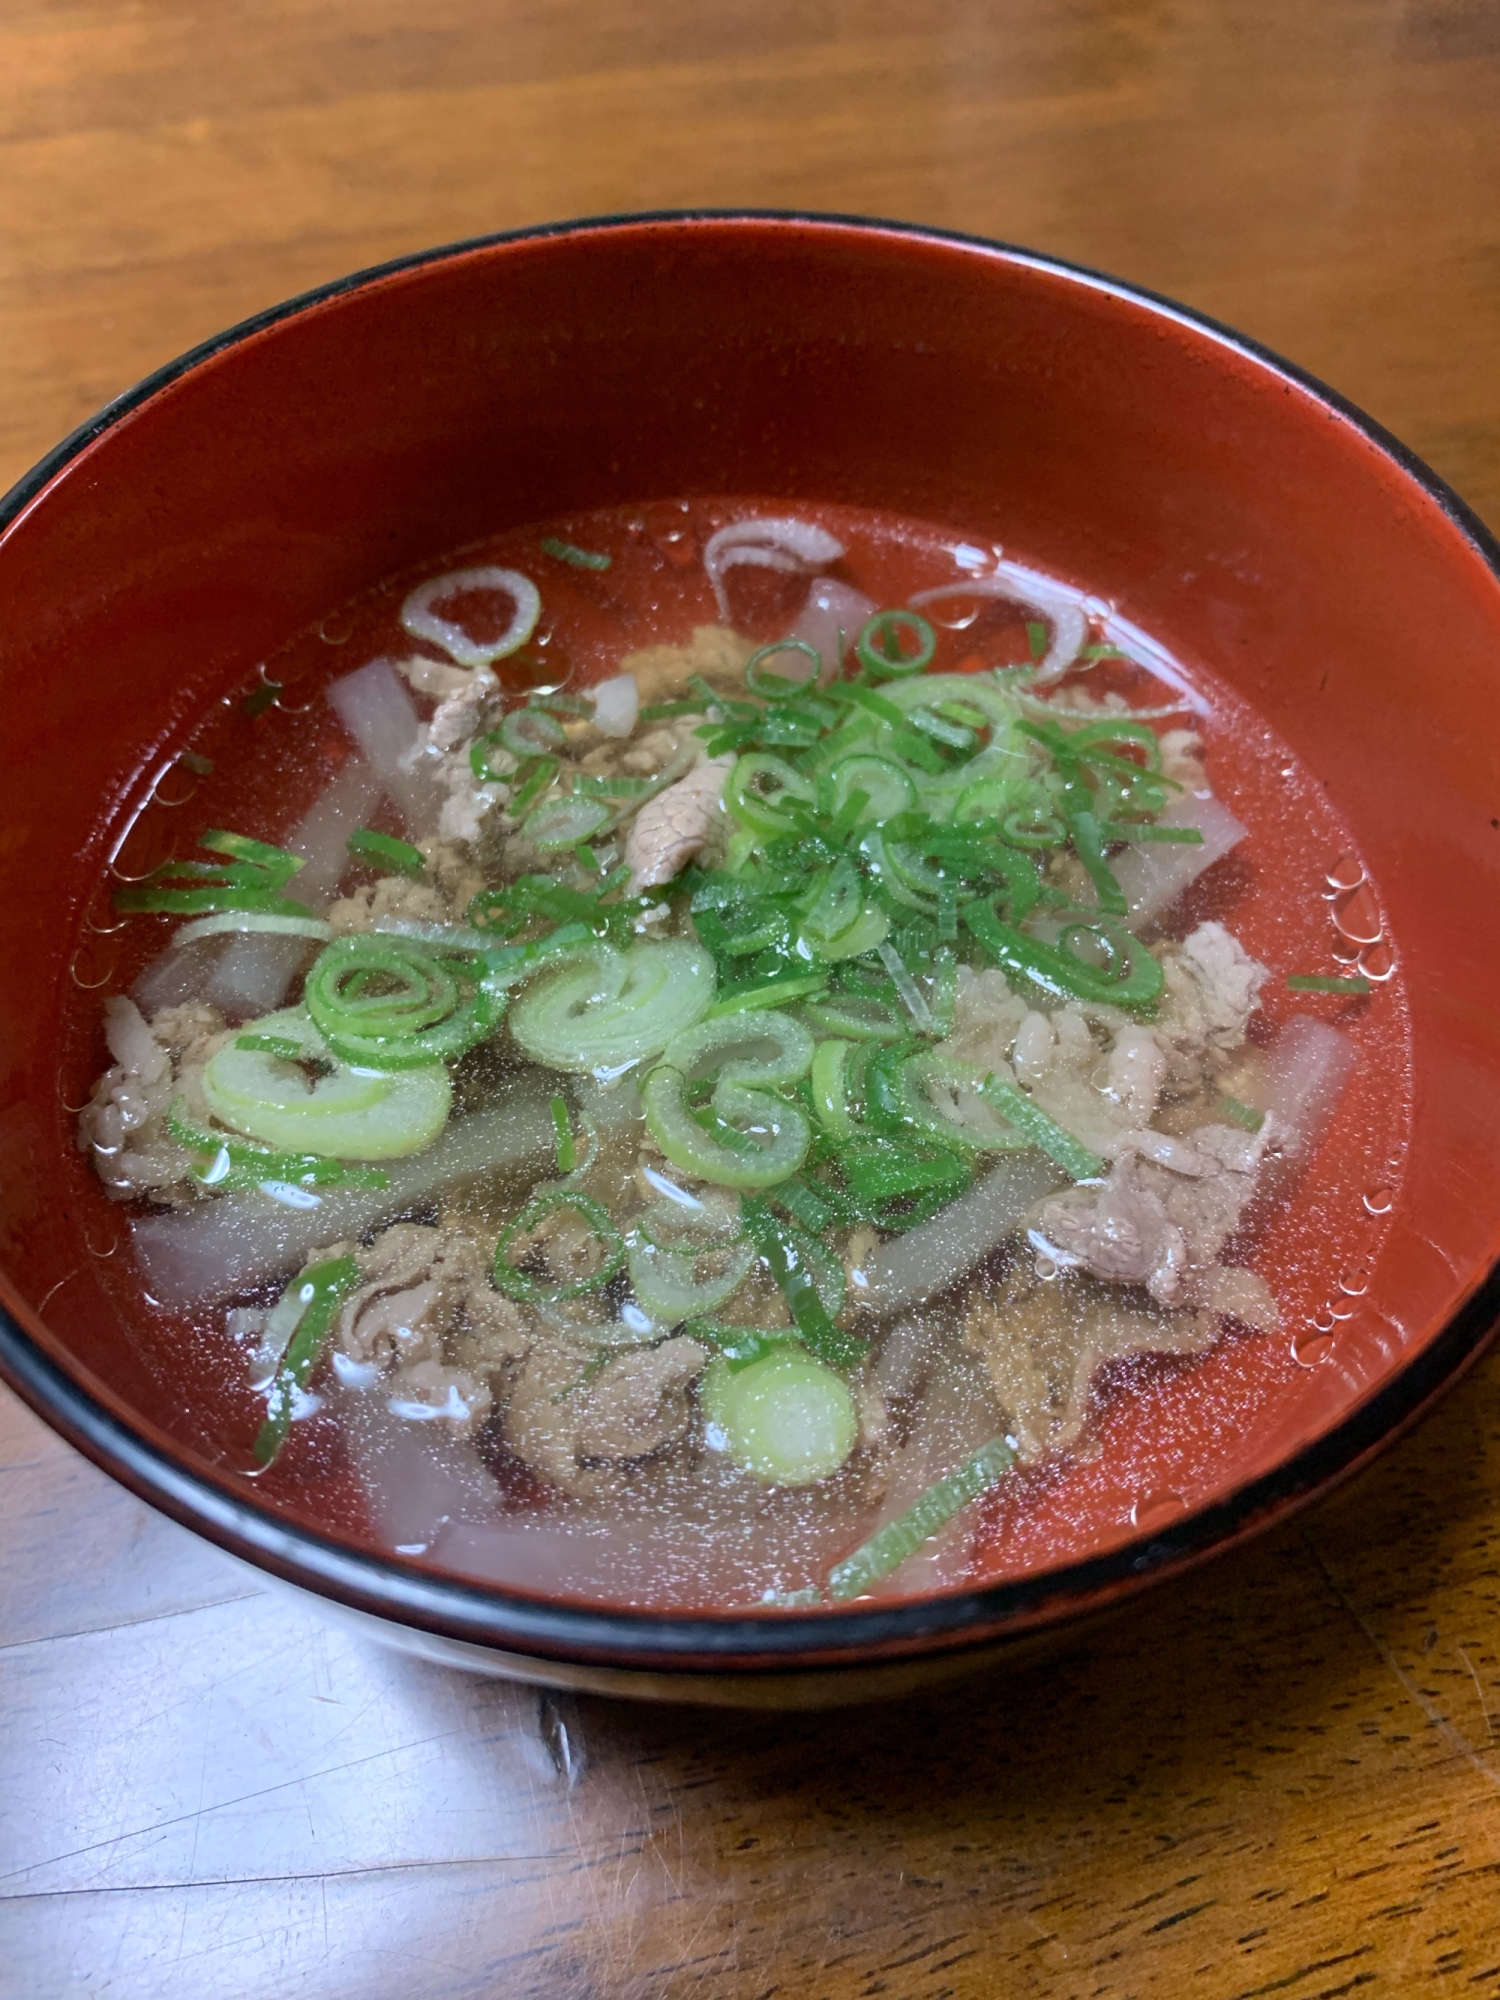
(702,1055)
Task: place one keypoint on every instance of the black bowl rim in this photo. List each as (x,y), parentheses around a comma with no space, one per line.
(809,1641)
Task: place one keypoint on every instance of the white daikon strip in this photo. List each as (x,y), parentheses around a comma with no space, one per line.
(936,1254)
(238,1240)
(375,707)
(1154,874)
(831,620)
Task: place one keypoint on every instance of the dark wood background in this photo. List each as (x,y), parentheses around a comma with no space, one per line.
(1280,1778)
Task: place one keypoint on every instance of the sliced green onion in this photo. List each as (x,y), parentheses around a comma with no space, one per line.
(235,1163)
(864,934)
(531,732)
(837,904)
(944,1099)
(887,787)
(741,1346)
(881,647)
(805,1272)
(1185,836)
(954,734)
(307,926)
(1088,841)
(319,1291)
(612,785)
(945,989)
(346,1113)
(479,760)
(706,1049)
(757,789)
(518,1284)
(261,698)
(1037,638)
(1314,982)
(562,1126)
(565,822)
(882,1171)
(857,1016)
(1028,1117)
(562,703)
(578,558)
(803,1205)
(874,704)
(249,880)
(274,862)
(1058,971)
(780,992)
(665,711)
(891,1545)
(614,1007)
(383,849)
(388,1003)
(774,1156)
(769,685)
(532,780)
(784,1416)
(830,1066)
(671,1285)
(1241,1114)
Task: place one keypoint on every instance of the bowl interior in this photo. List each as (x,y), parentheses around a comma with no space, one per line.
(1219,502)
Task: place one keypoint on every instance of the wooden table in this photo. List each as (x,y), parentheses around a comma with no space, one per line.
(1283,1777)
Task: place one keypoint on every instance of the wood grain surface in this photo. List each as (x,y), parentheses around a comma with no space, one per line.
(1280,1778)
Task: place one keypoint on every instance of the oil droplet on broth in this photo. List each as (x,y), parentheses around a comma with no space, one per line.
(669,534)
(93,965)
(1157,1510)
(1355,1282)
(1377,962)
(1357,918)
(1346,873)
(1312,1349)
(1379,1200)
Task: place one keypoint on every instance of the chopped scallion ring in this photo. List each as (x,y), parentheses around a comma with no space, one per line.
(608,1244)
(881,647)
(531,732)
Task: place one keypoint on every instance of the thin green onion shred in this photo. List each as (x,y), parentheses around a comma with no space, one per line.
(578,558)
(1239,1113)
(1315,982)
(520,1284)
(1044,1132)
(891,1545)
(385,850)
(321,1290)
(567,1151)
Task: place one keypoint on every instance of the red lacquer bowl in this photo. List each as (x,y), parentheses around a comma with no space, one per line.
(1221,498)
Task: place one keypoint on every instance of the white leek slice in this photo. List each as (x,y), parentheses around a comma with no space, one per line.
(615,1007)
(420,617)
(343,1114)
